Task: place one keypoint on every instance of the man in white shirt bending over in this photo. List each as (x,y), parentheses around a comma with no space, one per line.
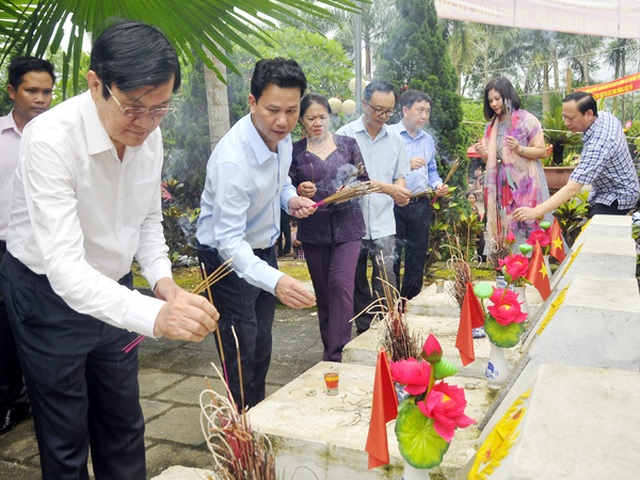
(86,201)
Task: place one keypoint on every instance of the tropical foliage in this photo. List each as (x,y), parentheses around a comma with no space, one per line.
(325,64)
(196,27)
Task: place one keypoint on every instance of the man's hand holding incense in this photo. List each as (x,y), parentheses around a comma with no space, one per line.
(399,193)
(293,293)
(417,162)
(442,190)
(301,207)
(184,316)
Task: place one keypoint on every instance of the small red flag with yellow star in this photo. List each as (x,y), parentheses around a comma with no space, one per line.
(557,245)
(538,274)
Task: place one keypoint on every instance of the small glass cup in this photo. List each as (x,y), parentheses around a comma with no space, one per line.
(440,285)
(331,381)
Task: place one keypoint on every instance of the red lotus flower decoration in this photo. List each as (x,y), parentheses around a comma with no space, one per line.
(506,308)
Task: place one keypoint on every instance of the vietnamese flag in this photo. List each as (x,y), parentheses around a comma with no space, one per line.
(538,274)
(471,316)
(557,245)
(384,408)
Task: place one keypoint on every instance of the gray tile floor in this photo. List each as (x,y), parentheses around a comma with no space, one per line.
(172,375)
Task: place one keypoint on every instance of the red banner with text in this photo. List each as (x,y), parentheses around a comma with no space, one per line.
(616,87)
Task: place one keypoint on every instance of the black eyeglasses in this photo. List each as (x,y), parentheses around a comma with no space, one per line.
(381,112)
(138,112)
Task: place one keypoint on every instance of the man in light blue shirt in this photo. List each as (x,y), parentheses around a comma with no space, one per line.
(413,221)
(384,156)
(247,184)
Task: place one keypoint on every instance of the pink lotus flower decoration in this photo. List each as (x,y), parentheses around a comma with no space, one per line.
(506,308)
(412,373)
(539,236)
(510,238)
(514,267)
(431,350)
(445,404)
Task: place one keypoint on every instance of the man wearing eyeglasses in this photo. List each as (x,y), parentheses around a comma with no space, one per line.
(414,220)
(385,158)
(86,202)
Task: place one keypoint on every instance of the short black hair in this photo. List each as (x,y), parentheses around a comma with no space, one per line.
(409,97)
(134,55)
(281,72)
(584,102)
(20,66)
(378,86)
(310,98)
(506,91)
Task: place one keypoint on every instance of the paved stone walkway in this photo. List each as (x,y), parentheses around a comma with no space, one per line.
(172,375)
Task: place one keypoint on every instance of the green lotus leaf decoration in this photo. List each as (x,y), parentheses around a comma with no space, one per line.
(419,443)
(503,336)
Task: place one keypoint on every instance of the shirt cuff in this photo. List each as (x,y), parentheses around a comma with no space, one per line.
(159,269)
(141,313)
(287,194)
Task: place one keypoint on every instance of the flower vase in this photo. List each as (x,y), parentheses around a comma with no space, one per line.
(413,473)
(497,369)
(401,393)
(522,298)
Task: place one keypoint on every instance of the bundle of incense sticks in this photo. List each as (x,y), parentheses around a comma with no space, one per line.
(238,451)
(429,192)
(351,192)
(454,166)
(219,273)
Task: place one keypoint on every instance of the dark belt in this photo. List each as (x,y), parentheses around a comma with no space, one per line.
(418,199)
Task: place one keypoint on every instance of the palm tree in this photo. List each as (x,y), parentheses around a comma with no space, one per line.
(31,27)
(618,51)
(206,28)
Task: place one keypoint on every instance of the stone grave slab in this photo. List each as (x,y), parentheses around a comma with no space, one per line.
(323,437)
(567,422)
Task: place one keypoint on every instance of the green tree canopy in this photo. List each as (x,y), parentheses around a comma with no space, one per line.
(325,64)
(31,27)
(415,55)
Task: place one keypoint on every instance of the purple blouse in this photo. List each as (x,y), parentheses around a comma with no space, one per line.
(332,223)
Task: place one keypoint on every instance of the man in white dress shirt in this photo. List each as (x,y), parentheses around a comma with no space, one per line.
(247,186)
(86,201)
(30,87)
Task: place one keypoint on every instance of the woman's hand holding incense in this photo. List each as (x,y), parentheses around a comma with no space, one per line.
(481,150)
(293,293)
(301,207)
(307,189)
(184,316)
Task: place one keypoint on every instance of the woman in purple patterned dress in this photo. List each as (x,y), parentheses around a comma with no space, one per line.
(331,238)
(512,147)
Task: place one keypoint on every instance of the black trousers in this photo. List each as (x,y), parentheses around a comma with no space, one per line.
(413,222)
(249,311)
(83,388)
(13,392)
(602,209)
(381,251)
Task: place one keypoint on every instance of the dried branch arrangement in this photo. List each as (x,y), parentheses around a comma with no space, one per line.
(396,336)
(238,451)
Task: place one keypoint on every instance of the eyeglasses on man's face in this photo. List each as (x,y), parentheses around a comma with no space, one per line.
(381,112)
(138,112)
